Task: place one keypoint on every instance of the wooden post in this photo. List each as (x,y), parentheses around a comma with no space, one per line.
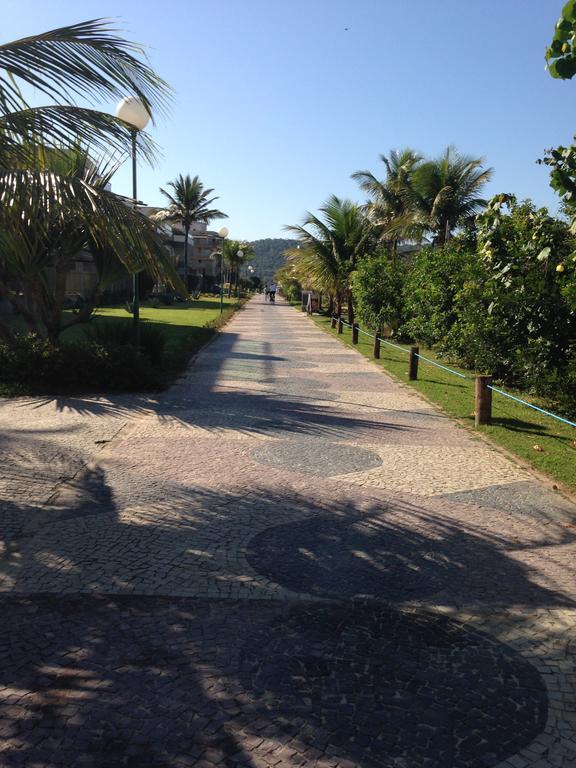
(333,321)
(376,347)
(413,363)
(483,405)
(354,333)
(340,325)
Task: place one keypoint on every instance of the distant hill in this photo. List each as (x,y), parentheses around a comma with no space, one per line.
(270,255)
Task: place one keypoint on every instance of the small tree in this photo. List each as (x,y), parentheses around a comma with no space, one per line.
(516,321)
(433,281)
(377,290)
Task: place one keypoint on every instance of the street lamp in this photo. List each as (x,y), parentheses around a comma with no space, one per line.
(223,234)
(239,255)
(132,111)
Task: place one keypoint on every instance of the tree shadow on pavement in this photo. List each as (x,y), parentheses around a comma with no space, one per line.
(144,666)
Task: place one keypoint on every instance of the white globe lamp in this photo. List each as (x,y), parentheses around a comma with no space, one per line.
(132,111)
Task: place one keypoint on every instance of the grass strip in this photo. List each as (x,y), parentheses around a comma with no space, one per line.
(547,445)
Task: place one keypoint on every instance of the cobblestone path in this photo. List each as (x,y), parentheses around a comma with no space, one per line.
(286,560)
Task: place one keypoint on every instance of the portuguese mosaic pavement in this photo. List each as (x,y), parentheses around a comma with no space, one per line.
(287,560)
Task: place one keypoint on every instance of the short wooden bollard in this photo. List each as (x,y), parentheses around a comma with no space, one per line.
(376,347)
(340,325)
(334,321)
(483,405)
(354,333)
(413,363)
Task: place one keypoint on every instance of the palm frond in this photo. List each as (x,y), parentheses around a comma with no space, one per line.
(87,60)
(34,205)
(189,201)
(21,130)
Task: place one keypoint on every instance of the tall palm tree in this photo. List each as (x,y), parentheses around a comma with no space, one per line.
(188,202)
(390,207)
(331,247)
(87,60)
(446,192)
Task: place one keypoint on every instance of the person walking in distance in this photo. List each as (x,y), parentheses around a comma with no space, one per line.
(272,291)
(266,292)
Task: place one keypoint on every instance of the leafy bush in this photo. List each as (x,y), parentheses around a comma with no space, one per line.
(32,364)
(506,307)
(377,291)
(433,282)
(121,333)
(518,323)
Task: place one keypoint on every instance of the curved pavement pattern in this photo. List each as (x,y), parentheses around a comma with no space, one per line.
(286,560)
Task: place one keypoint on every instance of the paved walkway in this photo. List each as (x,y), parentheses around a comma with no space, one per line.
(287,560)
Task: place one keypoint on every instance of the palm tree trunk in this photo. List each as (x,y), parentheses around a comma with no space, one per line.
(350,303)
(331,305)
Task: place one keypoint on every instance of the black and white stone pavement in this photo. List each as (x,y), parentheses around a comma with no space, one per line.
(288,560)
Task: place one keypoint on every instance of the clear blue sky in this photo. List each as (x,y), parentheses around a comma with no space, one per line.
(279,101)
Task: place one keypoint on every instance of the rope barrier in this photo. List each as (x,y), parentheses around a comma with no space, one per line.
(469,378)
(530,405)
(391,344)
(444,367)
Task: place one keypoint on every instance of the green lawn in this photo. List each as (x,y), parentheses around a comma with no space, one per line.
(183,323)
(515,427)
(169,337)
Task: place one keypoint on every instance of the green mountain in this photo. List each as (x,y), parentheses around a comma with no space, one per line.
(269,255)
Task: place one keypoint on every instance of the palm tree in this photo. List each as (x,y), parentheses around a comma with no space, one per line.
(52,197)
(331,247)
(446,192)
(87,60)
(390,207)
(52,210)
(188,202)
(235,254)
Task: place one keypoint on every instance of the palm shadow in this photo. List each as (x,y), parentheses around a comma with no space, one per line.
(121,678)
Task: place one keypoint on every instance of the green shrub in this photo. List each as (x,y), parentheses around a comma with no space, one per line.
(121,333)
(377,291)
(434,280)
(517,322)
(33,365)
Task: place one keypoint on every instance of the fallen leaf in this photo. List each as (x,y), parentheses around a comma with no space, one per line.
(538,448)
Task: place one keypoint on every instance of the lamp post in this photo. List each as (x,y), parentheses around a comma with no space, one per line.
(132,111)
(223,233)
(239,254)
